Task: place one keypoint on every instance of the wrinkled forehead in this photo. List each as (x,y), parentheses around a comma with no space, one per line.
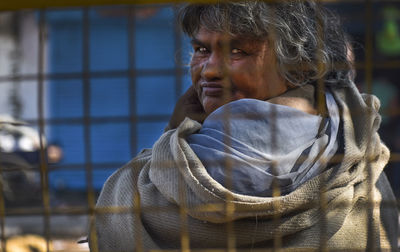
(224,38)
(229,30)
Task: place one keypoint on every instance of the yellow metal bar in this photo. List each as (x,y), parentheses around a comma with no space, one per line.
(7,5)
(40,4)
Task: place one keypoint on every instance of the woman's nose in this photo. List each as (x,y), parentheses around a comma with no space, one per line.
(214,67)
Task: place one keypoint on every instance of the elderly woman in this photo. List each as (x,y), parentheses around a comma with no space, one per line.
(272,146)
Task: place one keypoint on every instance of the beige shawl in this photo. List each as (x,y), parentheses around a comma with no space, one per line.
(165,199)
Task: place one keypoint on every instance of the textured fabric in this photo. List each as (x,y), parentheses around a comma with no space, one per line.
(166,193)
(263,143)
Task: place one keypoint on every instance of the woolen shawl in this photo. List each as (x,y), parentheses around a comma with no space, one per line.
(164,198)
(256,147)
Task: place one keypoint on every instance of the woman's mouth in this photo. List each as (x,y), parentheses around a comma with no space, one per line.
(212,89)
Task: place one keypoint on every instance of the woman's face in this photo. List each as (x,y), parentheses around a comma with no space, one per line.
(226,68)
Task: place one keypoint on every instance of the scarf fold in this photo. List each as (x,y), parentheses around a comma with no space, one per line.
(251,144)
(166,194)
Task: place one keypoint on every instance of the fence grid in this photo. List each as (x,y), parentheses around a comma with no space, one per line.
(369,63)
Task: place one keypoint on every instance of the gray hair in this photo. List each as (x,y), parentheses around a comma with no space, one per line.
(307,39)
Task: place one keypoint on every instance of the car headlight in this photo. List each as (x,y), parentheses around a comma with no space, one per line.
(7,143)
(26,144)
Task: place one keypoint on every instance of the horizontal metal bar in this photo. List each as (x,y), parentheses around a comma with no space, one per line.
(83,210)
(100,120)
(394,158)
(93,74)
(43,4)
(74,166)
(389,64)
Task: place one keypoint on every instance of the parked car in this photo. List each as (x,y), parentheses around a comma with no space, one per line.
(19,163)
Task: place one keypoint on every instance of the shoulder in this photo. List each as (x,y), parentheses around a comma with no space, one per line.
(122,182)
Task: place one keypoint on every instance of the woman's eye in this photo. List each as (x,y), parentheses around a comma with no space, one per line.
(201,50)
(236,51)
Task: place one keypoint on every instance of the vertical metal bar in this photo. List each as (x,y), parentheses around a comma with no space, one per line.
(40,106)
(185,241)
(16,111)
(2,212)
(178,57)
(226,119)
(368,45)
(371,243)
(229,205)
(136,210)
(132,79)
(15,99)
(322,110)
(276,190)
(87,124)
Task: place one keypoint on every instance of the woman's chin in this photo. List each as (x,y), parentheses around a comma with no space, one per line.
(211,103)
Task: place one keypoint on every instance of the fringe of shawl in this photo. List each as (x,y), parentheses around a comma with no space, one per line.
(174,194)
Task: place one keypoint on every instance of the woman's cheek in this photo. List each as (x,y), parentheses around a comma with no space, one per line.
(195,72)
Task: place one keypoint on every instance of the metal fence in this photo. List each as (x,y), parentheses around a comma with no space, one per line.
(39,83)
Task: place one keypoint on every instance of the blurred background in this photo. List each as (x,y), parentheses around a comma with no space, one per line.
(98,85)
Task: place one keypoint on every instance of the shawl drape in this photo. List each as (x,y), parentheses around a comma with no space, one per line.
(256,146)
(165,199)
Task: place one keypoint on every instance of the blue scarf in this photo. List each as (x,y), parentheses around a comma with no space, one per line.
(252,146)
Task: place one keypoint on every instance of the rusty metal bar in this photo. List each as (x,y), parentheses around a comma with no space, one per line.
(39,4)
(40,106)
